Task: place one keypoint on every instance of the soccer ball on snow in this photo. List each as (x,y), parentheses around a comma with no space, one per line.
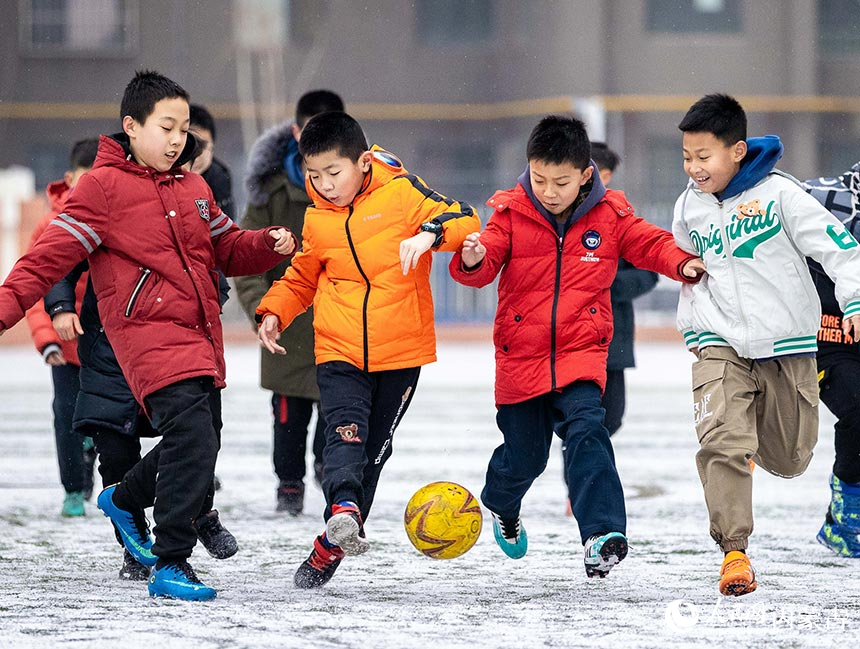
(443,520)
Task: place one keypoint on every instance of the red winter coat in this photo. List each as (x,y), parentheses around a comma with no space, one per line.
(41,328)
(154,240)
(554,319)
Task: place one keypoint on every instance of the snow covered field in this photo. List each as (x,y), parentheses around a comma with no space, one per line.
(59,584)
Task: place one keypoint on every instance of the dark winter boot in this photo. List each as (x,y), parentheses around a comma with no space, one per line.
(215,538)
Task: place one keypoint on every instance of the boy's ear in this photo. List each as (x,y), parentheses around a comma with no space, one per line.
(129,125)
(739,150)
(297,131)
(586,175)
(68,177)
(365,160)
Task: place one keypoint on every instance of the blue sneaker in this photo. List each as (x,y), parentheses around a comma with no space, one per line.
(602,552)
(134,534)
(177,580)
(845,504)
(511,536)
(839,539)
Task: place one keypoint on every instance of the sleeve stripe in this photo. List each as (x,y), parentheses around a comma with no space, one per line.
(220,219)
(86,244)
(83,226)
(221,230)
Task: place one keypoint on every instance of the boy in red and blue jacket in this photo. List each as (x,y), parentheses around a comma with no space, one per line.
(154,237)
(555,239)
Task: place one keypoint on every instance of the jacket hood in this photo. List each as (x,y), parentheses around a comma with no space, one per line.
(384,168)
(57,192)
(589,195)
(762,155)
(266,158)
(114,150)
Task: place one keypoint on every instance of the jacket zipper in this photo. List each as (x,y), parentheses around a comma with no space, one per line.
(366,294)
(144,275)
(739,297)
(556,291)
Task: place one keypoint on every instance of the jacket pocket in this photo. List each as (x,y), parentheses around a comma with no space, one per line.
(506,330)
(145,286)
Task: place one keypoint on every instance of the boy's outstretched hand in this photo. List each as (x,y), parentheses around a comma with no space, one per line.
(693,268)
(851,326)
(473,250)
(412,248)
(285,241)
(268,334)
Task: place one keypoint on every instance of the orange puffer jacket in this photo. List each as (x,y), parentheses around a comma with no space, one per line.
(366,312)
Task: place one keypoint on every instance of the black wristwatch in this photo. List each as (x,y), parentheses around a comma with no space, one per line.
(436,228)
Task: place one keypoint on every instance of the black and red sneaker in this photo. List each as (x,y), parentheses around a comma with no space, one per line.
(346,530)
(319,567)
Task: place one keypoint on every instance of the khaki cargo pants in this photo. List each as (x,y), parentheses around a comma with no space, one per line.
(764,411)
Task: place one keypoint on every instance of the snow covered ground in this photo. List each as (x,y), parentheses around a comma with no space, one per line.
(59,584)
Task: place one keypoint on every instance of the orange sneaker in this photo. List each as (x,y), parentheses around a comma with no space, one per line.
(737,576)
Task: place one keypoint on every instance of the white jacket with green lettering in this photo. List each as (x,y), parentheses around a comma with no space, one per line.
(757,295)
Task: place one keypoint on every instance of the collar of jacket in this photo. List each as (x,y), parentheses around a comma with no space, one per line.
(266,159)
(114,150)
(762,155)
(589,195)
(384,167)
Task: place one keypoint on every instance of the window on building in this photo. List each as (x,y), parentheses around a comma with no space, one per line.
(666,180)
(693,15)
(87,26)
(839,26)
(454,21)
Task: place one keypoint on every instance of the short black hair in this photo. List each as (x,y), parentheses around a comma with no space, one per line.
(719,114)
(83,153)
(200,116)
(144,91)
(333,131)
(558,139)
(316,102)
(604,157)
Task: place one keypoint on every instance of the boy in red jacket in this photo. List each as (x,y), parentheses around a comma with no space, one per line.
(556,239)
(76,462)
(154,237)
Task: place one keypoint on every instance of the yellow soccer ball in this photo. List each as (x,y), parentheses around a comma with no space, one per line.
(443,520)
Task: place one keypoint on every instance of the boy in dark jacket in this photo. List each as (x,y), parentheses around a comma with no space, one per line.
(277,197)
(839,374)
(555,239)
(106,411)
(154,237)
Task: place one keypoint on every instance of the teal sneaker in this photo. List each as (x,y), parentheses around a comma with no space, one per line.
(132,529)
(840,540)
(602,552)
(73,505)
(511,536)
(177,580)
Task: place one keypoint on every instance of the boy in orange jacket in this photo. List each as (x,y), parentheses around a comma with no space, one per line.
(364,270)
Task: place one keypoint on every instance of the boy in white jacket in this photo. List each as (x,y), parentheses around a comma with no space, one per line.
(753,319)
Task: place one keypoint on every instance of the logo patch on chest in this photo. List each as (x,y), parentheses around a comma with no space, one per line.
(202,208)
(591,240)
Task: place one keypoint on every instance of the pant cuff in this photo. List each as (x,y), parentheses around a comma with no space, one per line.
(727,546)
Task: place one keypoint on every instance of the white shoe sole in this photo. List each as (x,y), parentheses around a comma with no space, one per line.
(343,531)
